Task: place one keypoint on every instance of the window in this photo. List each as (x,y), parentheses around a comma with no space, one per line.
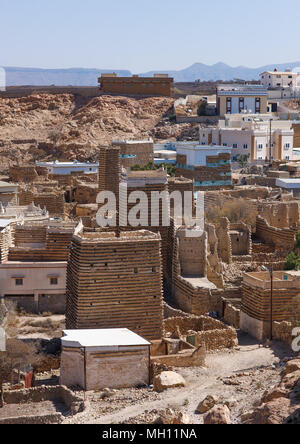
(19,281)
(245,146)
(241,104)
(287,157)
(228,105)
(53,281)
(260,146)
(257,105)
(224,144)
(287,146)
(234,145)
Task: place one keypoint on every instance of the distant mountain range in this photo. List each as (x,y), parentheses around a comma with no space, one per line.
(88,77)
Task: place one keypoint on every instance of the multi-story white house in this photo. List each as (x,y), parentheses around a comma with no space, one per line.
(278,79)
(238,99)
(259,137)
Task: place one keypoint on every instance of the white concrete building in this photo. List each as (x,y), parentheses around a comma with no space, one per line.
(196,155)
(252,135)
(236,99)
(35,286)
(96,359)
(64,168)
(279,79)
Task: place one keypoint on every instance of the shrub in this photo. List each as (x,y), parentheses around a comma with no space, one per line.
(292,262)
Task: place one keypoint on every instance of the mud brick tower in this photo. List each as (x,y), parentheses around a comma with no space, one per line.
(115,282)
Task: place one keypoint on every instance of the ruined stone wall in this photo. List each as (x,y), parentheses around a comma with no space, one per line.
(232,316)
(262,181)
(46,393)
(224,240)
(241,240)
(283,238)
(214,270)
(192,254)
(51,244)
(53,202)
(215,334)
(193,358)
(23,174)
(282,331)
(6,241)
(85,193)
(280,214)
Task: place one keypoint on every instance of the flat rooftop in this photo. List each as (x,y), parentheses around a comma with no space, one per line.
(110,236)
(115,337)
(200,282)
(288,183)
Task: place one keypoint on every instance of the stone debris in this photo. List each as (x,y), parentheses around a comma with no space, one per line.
(219,414)
(207,404)
(167,380)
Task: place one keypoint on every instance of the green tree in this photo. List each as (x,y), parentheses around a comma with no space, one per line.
(243,160)
(292,262)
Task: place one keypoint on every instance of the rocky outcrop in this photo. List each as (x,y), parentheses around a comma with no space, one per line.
(49,126)
(281,405)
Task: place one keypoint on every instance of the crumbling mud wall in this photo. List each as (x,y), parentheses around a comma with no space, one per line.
(282,331)
(213,333)
(283,238)
(224,240)
(6,241)
(54,202)
(42,244)
(56,394)
(232,315)
(280,214)
(85,193)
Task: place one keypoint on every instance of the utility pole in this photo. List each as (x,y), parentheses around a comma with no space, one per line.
(271,272)
(271,277)
(270,143)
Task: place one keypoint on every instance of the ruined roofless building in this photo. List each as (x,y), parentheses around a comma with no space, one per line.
(115,282)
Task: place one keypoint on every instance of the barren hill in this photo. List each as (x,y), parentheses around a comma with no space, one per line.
(61,126)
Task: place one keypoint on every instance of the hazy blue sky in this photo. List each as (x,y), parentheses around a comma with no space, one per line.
(147,35)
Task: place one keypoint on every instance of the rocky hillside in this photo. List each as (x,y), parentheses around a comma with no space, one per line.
(63,127)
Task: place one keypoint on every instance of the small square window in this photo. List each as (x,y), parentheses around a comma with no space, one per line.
(19,281)
(53,281)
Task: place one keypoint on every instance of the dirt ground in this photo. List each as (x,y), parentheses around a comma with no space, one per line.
(240,376)
(32,409)
(39,326)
